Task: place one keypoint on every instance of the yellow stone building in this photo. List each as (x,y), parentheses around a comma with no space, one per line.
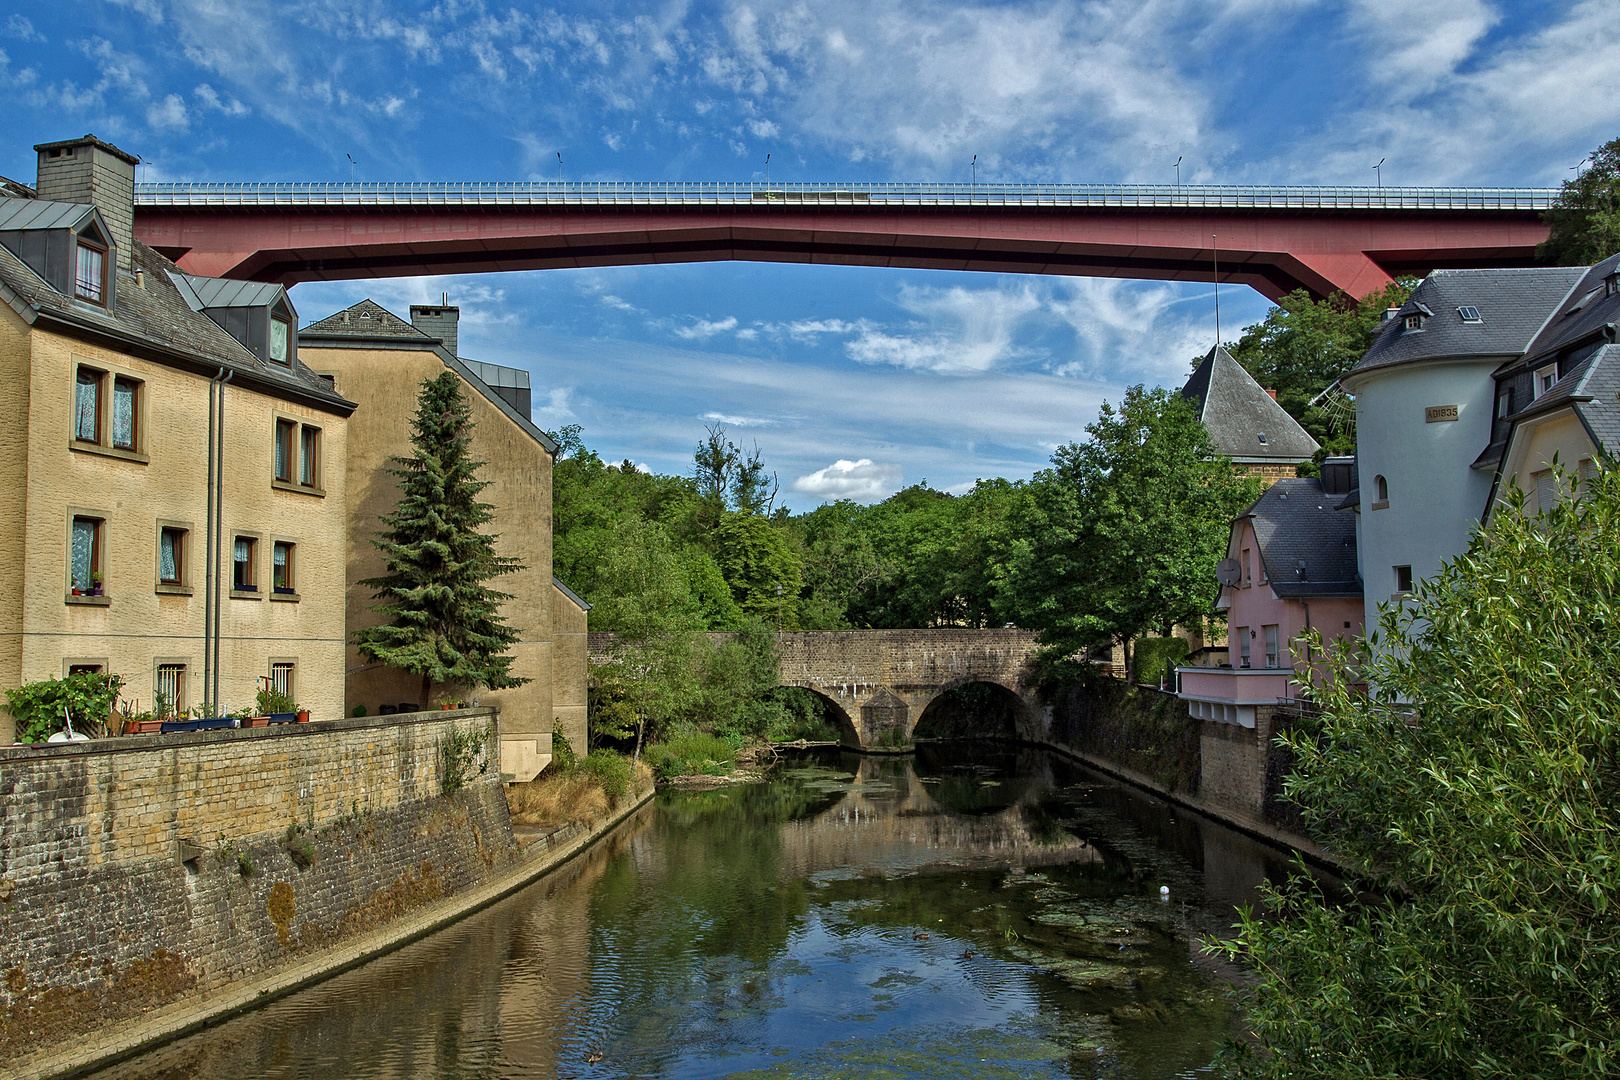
(173,481)
(380,361)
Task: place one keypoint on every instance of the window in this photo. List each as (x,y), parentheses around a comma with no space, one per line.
(309,464)
(90,274)
(170,686)
(243,578)
(282,674)
(1469,314)
(1589,471)
(1380,493)
(84,568)
(87,405)
(280,334)
(1504,403)
(1414,322)
(171,556)
(1403,579)
(1243,646)
(84,669)
(103,422)
(1248,575)
(1262,437)
(1546,490)
(125,392)
(1545,378)
(282,568)
(284,450)
(297,456)
(1271,644)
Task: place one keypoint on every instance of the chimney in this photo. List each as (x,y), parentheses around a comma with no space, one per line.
(1390,312)
(437,322)
(90,171)
(1272,394)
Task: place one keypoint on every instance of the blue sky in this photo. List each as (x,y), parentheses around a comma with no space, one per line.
(853,381)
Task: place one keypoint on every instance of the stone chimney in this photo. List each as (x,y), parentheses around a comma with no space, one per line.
(1272,394)
(437,322)
(1390,312)
(90,171)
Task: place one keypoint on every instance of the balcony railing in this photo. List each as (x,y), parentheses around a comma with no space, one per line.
(794,196)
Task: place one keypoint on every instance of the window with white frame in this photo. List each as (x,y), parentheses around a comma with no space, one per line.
(283,677)
(1272,653)
(170,686)
(1243,646)
(1545,378)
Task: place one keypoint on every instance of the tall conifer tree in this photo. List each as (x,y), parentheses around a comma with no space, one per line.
(444,620)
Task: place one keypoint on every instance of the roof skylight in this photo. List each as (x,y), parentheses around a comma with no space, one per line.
(1469,313)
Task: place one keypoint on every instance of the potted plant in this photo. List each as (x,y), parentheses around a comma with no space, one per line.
(449,703)
(302,714)
(95,583)
(280,708)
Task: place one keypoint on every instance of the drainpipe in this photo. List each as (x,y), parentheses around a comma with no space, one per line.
(210,549)
(219,525)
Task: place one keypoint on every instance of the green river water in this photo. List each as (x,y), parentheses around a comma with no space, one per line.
(974,911)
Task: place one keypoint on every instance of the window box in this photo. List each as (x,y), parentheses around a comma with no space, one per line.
(209,723)
(256,721)
(283,718)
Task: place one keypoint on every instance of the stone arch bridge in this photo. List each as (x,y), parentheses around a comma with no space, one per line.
(878,683)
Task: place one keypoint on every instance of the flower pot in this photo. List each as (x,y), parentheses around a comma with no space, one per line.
(303,716)
(256,721)
(148,727)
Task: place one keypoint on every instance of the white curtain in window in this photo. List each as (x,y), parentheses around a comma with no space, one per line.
(278,341)
(86,406)
(283,439)
(84,551)
(169,568)
(307,474)
(123,415)
(279,557)
(87,282)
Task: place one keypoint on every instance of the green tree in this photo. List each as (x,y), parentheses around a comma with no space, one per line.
(1303,345)
(444,621)
(761,567)
(1123,533)
(1476,792)
(1585,218)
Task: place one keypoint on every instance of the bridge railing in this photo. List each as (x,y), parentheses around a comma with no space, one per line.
(657,193)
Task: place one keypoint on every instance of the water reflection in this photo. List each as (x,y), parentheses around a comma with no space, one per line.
(972,912)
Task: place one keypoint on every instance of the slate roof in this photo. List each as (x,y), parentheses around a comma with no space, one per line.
(1237,411)
(1307,546)
(1590,305)
(369,321)
(157,320)
(1514,305)
(1592,389)
(42,214)
(223,292)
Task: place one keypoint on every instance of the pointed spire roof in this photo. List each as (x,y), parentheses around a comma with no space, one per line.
(367,319)
(1245,423)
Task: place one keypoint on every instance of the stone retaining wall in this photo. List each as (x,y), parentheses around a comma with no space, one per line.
(139,870)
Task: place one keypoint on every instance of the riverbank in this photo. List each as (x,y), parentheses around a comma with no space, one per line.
(409,922)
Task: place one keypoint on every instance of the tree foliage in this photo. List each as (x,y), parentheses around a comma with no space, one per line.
(1126,528)
(444,621)
(87,696)
(1478,787)
(1584,221)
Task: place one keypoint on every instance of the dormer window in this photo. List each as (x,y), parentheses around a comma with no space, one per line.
(1611,284)
(90,273)
(1414,321)
(280,334)
(1545,378)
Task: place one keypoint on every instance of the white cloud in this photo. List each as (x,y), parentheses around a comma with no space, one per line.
(210,99)
(962,329)
(1416,62)
(862,481)
(704,329)
(170,114)
(557,410)
(609,300)
(737,421)
(19,29)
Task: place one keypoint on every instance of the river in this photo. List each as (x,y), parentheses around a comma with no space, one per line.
(973,911)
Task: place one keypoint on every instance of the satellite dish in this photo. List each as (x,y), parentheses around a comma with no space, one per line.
(1228,572)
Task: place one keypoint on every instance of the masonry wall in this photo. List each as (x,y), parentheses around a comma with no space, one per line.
(384,382)
(137,870)
(139,623)
(570,668)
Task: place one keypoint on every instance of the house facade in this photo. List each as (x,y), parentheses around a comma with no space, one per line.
(1290,568)
(174,478)
(1426,406)
(381,361)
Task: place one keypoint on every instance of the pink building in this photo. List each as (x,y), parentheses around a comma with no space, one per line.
(1292,567)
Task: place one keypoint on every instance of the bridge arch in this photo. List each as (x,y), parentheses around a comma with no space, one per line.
(974,707)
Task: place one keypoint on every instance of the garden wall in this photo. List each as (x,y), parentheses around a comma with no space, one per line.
(136,871)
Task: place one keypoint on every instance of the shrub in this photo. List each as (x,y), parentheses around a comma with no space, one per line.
(564,761)
(37,707)
(1153,657)
(610,769)
(1477,784)
(271,700)
(461,750)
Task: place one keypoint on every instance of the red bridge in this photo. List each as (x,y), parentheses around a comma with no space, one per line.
(1273,239)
